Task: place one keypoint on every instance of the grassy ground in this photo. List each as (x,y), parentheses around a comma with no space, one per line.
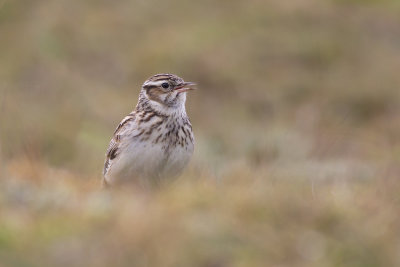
(297,159)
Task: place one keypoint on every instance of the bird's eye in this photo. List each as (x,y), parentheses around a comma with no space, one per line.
(165,85)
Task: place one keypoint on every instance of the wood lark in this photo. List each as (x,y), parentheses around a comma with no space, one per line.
(155,141)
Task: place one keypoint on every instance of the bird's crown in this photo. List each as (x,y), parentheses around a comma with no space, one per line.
(159,79)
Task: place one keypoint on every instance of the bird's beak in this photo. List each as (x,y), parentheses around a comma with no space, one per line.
(186,86)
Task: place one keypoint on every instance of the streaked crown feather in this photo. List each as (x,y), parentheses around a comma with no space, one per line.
(158,79)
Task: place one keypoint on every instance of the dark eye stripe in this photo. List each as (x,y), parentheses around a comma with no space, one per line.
(149,86)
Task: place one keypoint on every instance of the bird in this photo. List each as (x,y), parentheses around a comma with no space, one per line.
(154,142)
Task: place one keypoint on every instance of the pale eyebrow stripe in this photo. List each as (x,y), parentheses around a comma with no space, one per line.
(162,78)
(154,83)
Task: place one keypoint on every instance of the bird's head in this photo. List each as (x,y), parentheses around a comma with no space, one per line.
(166,91)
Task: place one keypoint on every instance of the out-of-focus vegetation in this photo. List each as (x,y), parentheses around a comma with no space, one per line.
(297,123)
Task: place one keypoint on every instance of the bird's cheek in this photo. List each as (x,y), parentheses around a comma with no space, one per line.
(160,98)
(156,94)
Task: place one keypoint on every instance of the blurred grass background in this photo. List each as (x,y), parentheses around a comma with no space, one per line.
(297,159)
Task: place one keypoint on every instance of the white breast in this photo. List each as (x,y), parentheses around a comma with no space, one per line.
(150,159)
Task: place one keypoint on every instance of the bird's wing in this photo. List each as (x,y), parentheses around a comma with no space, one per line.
(115,143)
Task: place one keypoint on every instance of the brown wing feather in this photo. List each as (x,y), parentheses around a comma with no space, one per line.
(112,151)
